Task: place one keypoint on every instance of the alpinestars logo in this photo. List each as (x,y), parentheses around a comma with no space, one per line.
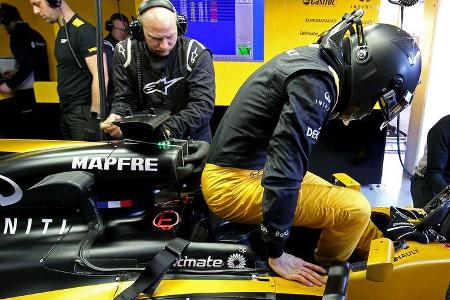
(160,86)
(14,197)
(236,261)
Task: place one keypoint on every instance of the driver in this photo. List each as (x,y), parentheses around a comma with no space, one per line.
(256,171)
(161,68)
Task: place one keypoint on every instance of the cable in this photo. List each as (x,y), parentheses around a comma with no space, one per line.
(121,17)
(68,40)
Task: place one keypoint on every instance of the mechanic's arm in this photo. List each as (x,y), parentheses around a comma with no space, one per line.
(287,162)
(437,158)
(200,100)
(91,62)
(23,55)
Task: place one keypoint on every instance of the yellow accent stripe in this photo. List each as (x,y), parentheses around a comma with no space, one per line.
(99,292)
(21,146)
(77,22)
(92,49)
(277,285)
(181,286)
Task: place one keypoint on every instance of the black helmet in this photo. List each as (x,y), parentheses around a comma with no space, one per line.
(381,64)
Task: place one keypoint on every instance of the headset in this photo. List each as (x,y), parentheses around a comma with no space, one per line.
(136,25)
(4,20)
(109,25)
(54,3)
(8,14)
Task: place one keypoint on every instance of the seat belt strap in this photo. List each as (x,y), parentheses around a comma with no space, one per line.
(150,278)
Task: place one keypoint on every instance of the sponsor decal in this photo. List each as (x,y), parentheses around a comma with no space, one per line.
(320,2)
(327,97)
(320,20)
(312,33)
(39,44)
(275,232)
(209,262)
(10,225)
(405,254)
(160,86)
(292,52)
(234,261)
(323,104)
(148,164)
(313,133)
(15,197)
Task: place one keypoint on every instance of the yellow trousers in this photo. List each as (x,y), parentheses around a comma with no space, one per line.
(343,214)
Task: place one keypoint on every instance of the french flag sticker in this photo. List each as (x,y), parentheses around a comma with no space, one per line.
(115,204)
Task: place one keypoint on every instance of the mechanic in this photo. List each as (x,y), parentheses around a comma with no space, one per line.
(117,28)
(432,174)
(78,82)
(30,53)
(257,167)
(163,69)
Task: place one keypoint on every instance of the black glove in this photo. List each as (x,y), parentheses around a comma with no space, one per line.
(400,228)
(410,214)
(92,130)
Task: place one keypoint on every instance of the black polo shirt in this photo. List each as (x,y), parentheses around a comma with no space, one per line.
(74,82)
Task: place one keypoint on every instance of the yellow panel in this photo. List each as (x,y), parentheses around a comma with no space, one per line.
(6,96)
(186,286)
(381,260)
(46,92)
(98,292)
(21,146)
(284,286)
(343,179)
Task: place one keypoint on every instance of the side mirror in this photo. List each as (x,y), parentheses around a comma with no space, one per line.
(381,260)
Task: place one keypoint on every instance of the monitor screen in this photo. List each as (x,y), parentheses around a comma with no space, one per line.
(231,29)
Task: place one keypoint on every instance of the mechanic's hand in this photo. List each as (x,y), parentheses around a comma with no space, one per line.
(109,128)
(294,268)
(4,88)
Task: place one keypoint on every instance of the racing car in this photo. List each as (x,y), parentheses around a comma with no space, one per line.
(126,219)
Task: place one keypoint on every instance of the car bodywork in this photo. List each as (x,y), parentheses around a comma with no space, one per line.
(58,240)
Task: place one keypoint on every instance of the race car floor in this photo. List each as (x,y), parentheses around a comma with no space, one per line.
(394,187)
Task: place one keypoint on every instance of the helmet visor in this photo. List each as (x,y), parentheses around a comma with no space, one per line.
(391,107)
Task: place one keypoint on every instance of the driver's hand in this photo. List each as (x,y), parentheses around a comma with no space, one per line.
(109,128)
(294,268)
(4,88)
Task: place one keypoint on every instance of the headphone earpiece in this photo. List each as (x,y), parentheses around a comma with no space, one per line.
(136,25)
(109,25)
(54,3)
(4,17)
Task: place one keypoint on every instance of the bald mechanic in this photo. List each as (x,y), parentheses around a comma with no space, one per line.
(162,69)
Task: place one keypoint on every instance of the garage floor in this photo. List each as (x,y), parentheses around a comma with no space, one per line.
(394,187)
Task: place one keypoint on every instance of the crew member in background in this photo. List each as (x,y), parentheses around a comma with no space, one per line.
(432,173)
(30,53)
(176,74)
(78,82)
(117,26)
